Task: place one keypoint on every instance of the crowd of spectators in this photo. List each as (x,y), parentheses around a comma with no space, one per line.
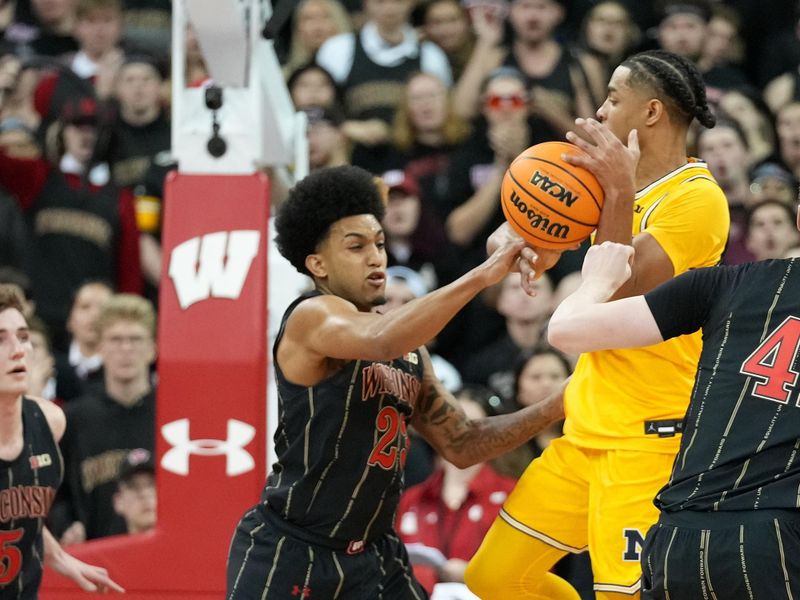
(435,96)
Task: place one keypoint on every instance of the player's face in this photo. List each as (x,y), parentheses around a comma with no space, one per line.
(15,345)
(624,108)
(353,259)
(539,378)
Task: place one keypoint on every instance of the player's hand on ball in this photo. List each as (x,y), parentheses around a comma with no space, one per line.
(608,266)
(531,262)
(501,261)
(611,161)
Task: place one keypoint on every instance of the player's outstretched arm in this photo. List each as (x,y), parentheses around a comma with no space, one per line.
(88,577)
(585,321)
(464,442)
(331,327)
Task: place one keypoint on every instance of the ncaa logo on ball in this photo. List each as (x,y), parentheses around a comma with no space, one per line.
(555,189)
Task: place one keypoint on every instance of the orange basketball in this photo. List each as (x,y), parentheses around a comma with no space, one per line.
(549,202)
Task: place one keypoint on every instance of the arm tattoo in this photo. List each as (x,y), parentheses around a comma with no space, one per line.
(466,442)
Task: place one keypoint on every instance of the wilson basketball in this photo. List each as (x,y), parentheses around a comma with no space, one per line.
(549,202)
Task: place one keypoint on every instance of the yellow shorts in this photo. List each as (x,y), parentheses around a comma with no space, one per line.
(576,498)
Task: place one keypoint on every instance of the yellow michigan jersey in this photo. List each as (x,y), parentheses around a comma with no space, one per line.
(614,392)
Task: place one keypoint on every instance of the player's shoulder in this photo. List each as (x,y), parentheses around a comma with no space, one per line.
(313,311)
(53,415)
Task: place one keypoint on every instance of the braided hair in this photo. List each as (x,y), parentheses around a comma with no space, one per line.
(676,81)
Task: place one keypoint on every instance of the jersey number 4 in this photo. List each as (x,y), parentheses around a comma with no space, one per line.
(386,452)
(774,363)
(10,555)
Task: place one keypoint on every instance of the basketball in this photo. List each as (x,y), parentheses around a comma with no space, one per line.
(549,202)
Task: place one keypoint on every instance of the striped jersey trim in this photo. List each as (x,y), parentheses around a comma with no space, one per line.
(521,527)
(646,217)
(689,165)
(619,589)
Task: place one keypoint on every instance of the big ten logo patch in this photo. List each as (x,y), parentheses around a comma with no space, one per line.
(634,540)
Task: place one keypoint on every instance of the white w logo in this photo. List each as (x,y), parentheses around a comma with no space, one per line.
(200,270)
(238,460)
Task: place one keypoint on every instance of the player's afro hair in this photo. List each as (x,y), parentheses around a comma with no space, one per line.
(317,202)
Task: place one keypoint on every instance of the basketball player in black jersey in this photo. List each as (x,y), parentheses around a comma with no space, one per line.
(30,471)
(729,525)
(350,383)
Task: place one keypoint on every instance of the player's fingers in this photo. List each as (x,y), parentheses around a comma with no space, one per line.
(527,276)
(528,254)
(85,583)
(100,577)
(581,143)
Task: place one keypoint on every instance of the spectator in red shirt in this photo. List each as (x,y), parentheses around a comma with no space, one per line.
(82,226)
(452,510)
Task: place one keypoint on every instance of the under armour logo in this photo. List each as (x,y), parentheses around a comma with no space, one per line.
(238,461)
(214,265)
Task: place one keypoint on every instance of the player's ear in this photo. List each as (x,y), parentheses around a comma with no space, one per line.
(655,111)
(316,266)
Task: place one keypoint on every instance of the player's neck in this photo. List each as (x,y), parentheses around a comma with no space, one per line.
(654,165)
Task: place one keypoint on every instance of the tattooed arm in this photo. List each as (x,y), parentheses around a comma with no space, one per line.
(465,442)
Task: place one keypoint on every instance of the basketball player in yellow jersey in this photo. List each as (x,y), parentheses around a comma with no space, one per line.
(593,488)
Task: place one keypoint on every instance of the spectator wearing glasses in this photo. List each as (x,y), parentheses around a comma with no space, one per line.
(106,424)
(561,84)
(504,129)
(501,133)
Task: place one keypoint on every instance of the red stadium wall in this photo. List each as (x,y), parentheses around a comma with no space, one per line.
(211,411)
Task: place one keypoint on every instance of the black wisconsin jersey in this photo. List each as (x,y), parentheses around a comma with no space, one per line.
(28,485)
(741,440)
(342,445)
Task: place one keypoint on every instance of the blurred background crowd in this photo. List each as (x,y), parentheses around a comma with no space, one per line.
(436,97)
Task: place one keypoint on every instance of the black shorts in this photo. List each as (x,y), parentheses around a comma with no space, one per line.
(269,559)
(754,555)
